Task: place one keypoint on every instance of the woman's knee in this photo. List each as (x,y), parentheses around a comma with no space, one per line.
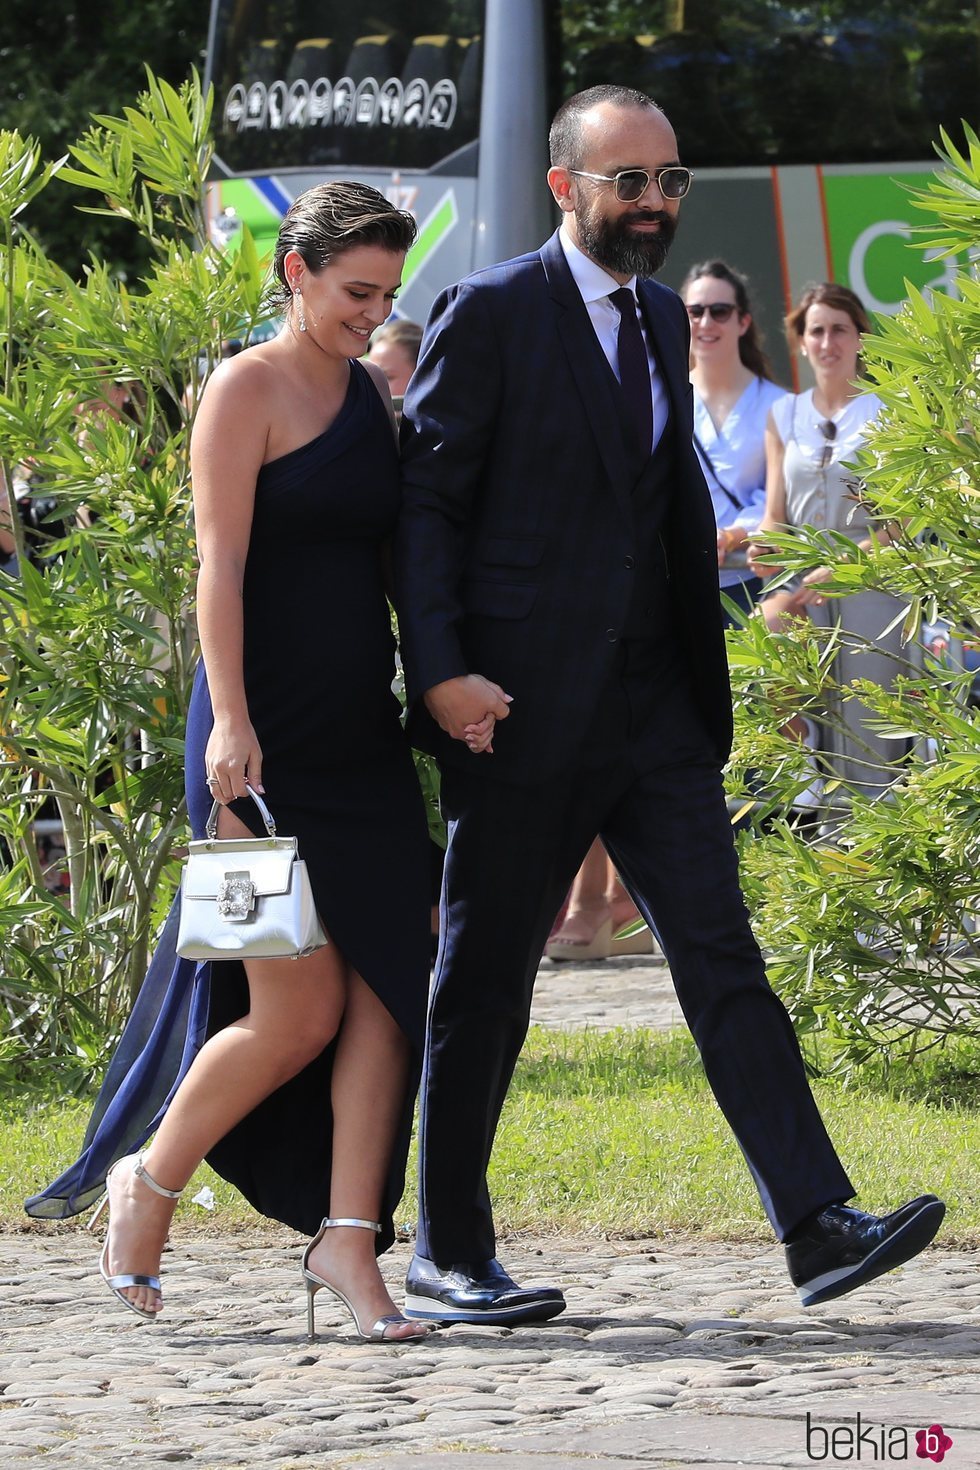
(298,1034)
(297,1049)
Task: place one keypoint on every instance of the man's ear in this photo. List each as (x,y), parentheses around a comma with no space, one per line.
(560,184)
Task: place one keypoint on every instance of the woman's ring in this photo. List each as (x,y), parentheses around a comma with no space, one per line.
(212,781)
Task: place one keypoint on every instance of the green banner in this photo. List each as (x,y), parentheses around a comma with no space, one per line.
(873,246)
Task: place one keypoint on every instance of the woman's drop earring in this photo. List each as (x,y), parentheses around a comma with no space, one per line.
(298,297)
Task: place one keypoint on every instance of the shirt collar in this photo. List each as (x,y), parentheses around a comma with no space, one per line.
(594,283)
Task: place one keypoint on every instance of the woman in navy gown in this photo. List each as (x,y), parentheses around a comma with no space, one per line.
(295,1078)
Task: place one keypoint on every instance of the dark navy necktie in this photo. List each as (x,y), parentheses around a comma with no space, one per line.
(634,366)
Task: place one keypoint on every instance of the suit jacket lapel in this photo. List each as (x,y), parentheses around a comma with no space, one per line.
(594,378)
(668,346)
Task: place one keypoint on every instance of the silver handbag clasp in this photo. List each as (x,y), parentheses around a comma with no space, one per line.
(236,897)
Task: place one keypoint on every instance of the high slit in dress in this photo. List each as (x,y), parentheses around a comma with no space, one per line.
(338,774)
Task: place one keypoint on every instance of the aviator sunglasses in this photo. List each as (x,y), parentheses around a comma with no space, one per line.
(719,311)
(829,431)
(632,183)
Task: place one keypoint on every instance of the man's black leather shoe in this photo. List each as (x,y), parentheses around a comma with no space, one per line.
(476,1291)
(843,1248)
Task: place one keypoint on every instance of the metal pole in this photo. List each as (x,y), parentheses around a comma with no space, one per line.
(513,206)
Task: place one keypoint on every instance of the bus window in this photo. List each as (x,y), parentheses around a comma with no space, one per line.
(747,84)
(806,123)
(396,84)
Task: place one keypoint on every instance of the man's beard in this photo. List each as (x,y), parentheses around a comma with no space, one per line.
(612,244)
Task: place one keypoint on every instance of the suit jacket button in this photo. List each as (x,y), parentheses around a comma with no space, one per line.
(611,635)
(629,563)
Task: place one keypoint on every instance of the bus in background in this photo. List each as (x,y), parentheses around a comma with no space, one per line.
(805,125)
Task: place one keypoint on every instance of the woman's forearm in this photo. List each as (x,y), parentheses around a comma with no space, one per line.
(220,626)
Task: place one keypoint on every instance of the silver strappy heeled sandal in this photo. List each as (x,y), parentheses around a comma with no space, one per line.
(315,1283)
(118,1284)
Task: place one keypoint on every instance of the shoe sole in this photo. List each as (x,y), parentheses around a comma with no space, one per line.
(909,1241)
(424,1308)
(641,943)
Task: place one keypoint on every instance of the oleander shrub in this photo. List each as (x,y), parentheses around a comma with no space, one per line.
(871,917)
(96,633)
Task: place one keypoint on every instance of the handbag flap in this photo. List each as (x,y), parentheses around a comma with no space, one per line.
(268,861)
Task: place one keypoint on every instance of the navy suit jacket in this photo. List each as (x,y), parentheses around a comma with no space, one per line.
(518,542)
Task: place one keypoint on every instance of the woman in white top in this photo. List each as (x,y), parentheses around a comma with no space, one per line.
(810,439)
(733,394)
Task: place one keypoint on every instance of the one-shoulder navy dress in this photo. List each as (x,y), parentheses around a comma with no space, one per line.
(338,774)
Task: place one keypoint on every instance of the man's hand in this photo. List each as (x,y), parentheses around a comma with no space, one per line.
(467,708)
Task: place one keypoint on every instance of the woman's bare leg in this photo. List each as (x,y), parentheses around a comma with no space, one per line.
(588,908)
(370,1073)
(621,906)
(295,1009)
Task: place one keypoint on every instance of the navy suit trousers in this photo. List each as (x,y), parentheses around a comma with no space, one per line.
(647,783)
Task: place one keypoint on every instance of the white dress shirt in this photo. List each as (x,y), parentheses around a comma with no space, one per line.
(595,286)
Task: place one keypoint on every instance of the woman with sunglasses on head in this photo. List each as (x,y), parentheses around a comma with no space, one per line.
(733,393)
(811,439)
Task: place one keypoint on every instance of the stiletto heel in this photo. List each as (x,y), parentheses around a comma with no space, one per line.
(315,1283)
(118,1284)
(98,1209)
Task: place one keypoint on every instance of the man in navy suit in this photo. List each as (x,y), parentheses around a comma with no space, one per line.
(556,532)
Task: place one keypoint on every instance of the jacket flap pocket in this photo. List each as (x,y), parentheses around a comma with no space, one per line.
(499,599)
(269,869)
(512,551)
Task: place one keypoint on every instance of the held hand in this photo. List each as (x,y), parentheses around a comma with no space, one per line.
(233,754)
(464,706)
(479,737)
(810,592)
(753,551)
(730,538)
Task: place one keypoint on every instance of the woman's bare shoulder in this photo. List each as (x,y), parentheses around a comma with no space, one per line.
(245,386)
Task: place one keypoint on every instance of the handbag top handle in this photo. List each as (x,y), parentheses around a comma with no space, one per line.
(211,826)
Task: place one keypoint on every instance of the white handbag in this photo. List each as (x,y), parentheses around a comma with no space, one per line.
(246,897)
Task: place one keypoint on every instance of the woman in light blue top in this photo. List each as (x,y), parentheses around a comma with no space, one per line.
(733,394)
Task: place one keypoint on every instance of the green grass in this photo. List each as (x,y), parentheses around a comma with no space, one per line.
(617,1132)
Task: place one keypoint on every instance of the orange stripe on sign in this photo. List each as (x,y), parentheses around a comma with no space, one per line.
(828,253)
(777,200)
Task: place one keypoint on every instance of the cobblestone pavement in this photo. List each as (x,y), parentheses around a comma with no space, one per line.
(627,991)
(674,1353)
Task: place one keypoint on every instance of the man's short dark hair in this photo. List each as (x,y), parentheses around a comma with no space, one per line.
(565,136)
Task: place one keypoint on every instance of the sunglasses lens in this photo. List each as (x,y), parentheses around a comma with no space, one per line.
(719,311)
(631,185)
(674,182)
(829,430)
